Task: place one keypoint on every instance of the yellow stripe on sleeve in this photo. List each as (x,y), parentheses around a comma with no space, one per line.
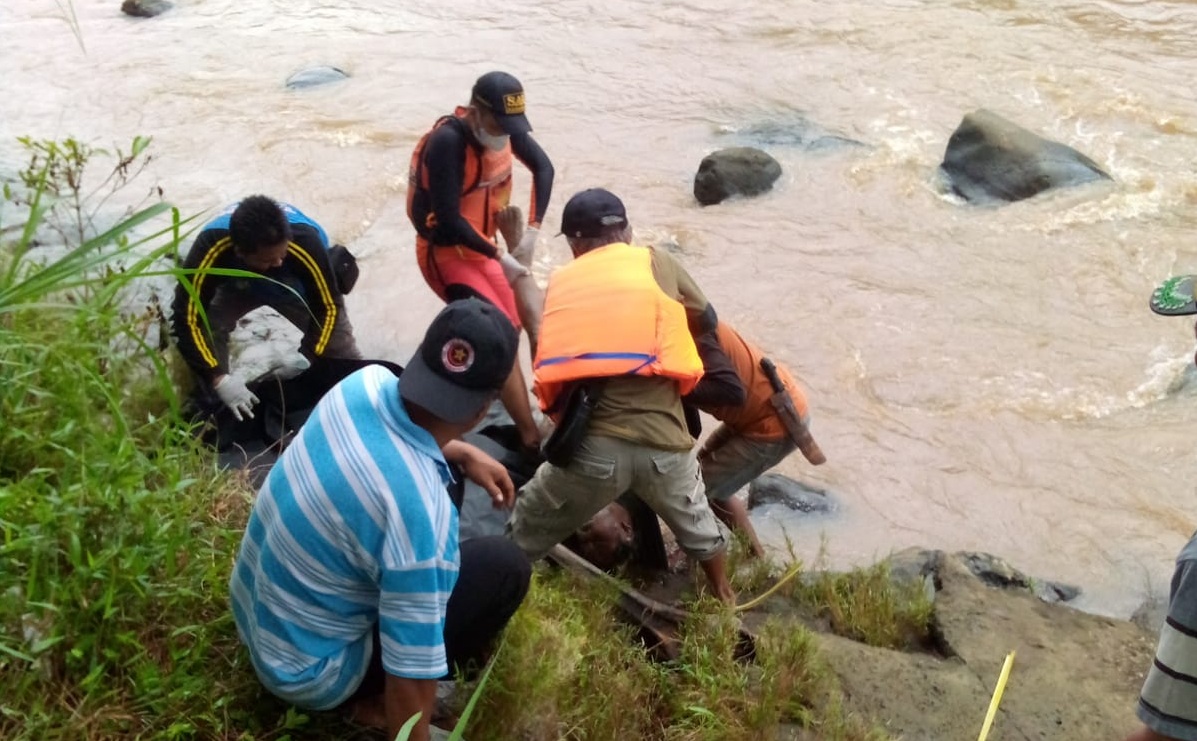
(325,295)
(207,351)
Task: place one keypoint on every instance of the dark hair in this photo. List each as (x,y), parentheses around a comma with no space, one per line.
(258,222)
(609,235)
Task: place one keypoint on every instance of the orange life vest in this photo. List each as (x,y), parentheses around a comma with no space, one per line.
(756,418)
(485,184)
(605,315)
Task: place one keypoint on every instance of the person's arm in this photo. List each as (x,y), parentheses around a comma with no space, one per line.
(419,567)
(405,697)
(444,161)
(1163,706)
(720,385)
(676,282)
(188,313)
(307,256)
(724,388)
(527,151)
(483,470)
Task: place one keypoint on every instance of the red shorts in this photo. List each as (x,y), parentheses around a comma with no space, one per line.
(455,272)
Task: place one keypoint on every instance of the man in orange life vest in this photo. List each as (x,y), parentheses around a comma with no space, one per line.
(616,321)
(458,199)
(752,437)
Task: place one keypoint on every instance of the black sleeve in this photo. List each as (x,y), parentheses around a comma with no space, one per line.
(188,315)
(720,385)
(693,419)
(702,322)
(527,151)
(444,160)
(310,258)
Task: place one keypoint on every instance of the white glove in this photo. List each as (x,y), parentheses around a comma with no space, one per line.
(527,246)
(239,399)
(513,269)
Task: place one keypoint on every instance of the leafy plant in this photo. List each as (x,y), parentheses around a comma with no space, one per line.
(116,530)
(56,178)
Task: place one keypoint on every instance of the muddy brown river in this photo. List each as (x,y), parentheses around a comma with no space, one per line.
(981,378)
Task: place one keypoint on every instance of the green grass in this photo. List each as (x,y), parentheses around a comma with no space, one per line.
(864,604)
(570,670)
(867,605)
(116,530)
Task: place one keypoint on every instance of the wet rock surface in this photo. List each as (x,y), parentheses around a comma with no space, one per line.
(735,171)
(145,8)
(796,132)
(315,77)
(776,488)
(917,563)
(992,160)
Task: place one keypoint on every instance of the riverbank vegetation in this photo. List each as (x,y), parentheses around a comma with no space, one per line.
(118,533)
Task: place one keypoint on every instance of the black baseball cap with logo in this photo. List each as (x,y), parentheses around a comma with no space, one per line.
(467,354)
(593,213)
(502,95)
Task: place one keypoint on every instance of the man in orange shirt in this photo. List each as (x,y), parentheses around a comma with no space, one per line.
(752,437)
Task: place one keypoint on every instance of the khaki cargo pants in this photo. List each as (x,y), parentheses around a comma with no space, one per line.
(558,501)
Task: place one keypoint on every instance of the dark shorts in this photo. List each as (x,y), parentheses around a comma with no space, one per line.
(492,582)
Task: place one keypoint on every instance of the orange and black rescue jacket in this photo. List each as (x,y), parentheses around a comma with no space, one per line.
(485,189)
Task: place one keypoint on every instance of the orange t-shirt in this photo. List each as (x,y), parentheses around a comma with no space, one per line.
(756,418)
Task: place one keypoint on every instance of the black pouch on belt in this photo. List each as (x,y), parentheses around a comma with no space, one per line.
(559,449)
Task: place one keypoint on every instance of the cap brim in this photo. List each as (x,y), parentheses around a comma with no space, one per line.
(517,124)
(451,403)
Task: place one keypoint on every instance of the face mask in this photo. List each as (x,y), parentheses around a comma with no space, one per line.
(494,142)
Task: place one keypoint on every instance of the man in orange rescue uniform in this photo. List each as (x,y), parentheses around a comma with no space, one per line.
(458,198)
(616,325)
(752,437)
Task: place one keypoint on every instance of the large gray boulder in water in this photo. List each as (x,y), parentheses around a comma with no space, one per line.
(734,171)
(145,8)
(991,159)
(313,76)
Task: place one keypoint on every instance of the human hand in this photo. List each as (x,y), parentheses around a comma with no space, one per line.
(484,471)
(513,269)
(527,246)
(510,221)
(531,440)
(239,399)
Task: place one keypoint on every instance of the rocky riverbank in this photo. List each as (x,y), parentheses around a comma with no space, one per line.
(1074,676)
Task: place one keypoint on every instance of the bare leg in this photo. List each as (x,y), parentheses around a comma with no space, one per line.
(715,568)
(515,399)
(529,302)
(734,514)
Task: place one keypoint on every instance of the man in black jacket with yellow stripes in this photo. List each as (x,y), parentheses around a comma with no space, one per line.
(289,255)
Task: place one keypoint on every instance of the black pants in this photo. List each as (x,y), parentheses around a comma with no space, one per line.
(491,584)
(282,407)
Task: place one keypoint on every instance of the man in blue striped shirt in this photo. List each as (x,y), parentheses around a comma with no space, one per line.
(351,589)
(1168,702)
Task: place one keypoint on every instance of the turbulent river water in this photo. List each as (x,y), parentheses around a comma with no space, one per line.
(980,378)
